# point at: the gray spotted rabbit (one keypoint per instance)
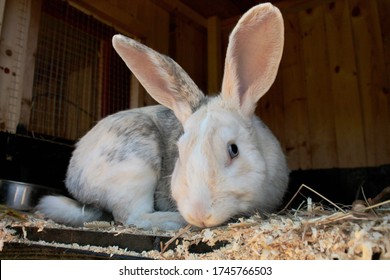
(193, 159)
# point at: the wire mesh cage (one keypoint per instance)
(78, 76)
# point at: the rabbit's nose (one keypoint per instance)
(197, 222)
(199, 215)
(202, 225)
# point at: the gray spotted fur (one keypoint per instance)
(138, 131)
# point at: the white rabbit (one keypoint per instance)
(210, 158)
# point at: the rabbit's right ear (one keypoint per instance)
(253, 56)
(162, 77)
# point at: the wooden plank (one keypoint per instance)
(178, 6)
(297, 140)
(319, 101)
(31, 48)
(2, 8)
(371, 75)
(13, 42)
(227, 28)
(113, 15)
(189, 44)
(157, 38)
(384, 11)
(136, 242)
(344, 86)
(135, 93)
(23, 251)
(295, 6)
(155, 19)
(85, 237)
(214, 55)
(214, 63)
(271, 110)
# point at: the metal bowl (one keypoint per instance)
(22, 196)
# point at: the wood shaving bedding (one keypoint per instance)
(314, 234)
(275, 237)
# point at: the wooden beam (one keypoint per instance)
(29, 63)
(2, 8)
(103, 12)
(12, 50)
(371, 74)
(344, 86)
(137, 93)
(317, 86)
(214, 54)
(294, 6)
(178, 6)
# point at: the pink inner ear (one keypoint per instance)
(141, 64)
(253, 56)
(162, 78)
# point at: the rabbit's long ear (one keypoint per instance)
(162, 77)
(253, 56)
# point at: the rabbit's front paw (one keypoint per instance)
(159, 220)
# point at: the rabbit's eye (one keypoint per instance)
(233, 150)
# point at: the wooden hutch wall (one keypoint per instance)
(334, 85)
(330, 104)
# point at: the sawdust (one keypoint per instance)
(316, 233)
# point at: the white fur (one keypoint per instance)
(68, 211)
(210, 188)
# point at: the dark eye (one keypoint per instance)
(233, 150)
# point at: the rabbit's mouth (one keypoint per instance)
(204, 217)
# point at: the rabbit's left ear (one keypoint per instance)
(253, 56)
(162, 77)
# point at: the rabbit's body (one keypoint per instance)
(122, 166)
(123, 152)
(209, 158)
